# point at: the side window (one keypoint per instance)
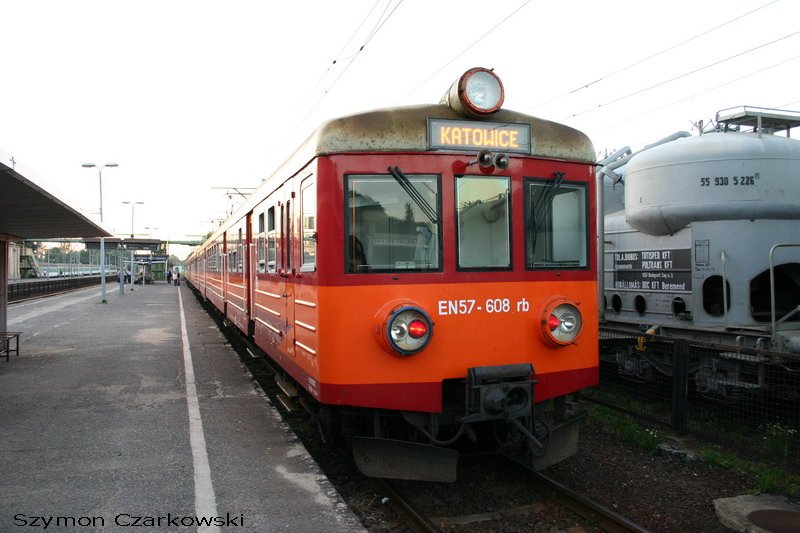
(240, 252)
(262, 248)
(308, 213)
(272, 251)
(556, 224)
(484, 227)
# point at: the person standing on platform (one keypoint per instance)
(169, 277)
(177, 278)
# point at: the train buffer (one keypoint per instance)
(6, 337)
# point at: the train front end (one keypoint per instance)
(459, 295)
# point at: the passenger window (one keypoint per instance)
(308, 208)
(556, 224)
(483, 222)
(272, 251)
(392, 223)
(262, 249)
(240, 252)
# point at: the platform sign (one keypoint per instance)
(653, 270)
(472, 136)
(152, 259)
(149, 246)
(113, 244)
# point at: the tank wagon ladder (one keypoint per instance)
(774, 322)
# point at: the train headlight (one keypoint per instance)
(561, 323)
(404, 329)
(478, 92)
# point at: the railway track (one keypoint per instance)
(606, 518)
(593, 513)
(404, 507)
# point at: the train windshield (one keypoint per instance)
(392, 222)
(483, 222)
(556, 224)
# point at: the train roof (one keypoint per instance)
(406, 129)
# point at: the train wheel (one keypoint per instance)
(329, 424)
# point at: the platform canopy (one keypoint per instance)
(28, 211)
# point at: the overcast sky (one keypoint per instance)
(192, 96)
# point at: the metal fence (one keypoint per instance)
(741, 398)
(23, 289)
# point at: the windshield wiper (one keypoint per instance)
(415, 195)
(546, 199)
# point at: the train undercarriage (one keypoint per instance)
(488, 412)
(720, 372)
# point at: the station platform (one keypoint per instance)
(138, 414)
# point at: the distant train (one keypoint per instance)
(702, 243)
(424, 276)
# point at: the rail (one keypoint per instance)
(604, 517)
(580, 504)
(415, 520)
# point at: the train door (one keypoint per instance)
(247, 273)
(224, 273)
(256, 263)
(287, 270)
(305, 285)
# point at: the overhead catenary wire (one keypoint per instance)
(695, 71)
(338, 56)
(648, 58)
(378, 25)
(710, 89)
(464, 51)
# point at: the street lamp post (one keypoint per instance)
(121, 261)
(133, 205)
(102, 239)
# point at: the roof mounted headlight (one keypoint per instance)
(478, 93)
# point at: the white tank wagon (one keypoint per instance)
(703, 213)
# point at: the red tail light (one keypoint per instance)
(417, 329)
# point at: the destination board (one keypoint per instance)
(475, 136)
(653, 270)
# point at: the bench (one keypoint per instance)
(5, 343)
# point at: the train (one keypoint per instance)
(425, 279)
(701, 244)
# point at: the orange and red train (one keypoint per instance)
(424, 276)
